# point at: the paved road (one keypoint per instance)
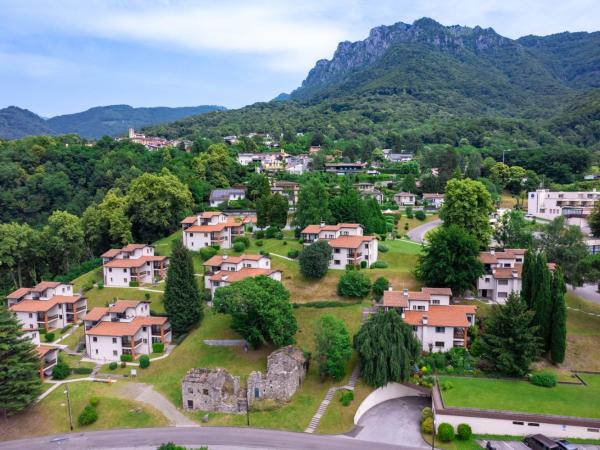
(417, 234)
(394, 421)
(234, 437)
(587, 291)
(519, 445)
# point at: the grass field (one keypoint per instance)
(522, 396)
(339, 418)
(583, 335)
(100, 297)
(50, 416)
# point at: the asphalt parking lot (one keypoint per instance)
(517, 445)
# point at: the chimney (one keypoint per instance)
(224, 256)
(492, 251)
(322, 224)
(224, 278)
(515, 274)
(405, 292)
(424, 320)
(390, 289)
(403, 315)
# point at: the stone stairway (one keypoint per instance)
(314, 422)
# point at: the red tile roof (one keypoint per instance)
(504, 273)
(121, 305)
(438, 291)
(66, 298)
(441, 316)
(125, 328)
(217, 260)
(96, 314)
(42, 350)
(111, 253)
(395, 299)
(19, 293)
(40, 287)
(349, 241)
(247, 272)
(34, 305)
(137, 262)
(311, 229)
(190, 219)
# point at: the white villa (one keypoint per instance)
(218, 196)
(49, 305)
(502, 274)
(439, 326)
(350, 246)
(434, 200)
(223, 270)
(405, 199)
(210, 228)
(133, 263)
(124, 328)
(546, 204)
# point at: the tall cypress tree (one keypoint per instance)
(526, 277)
(20, 382)
(182, 297)
(541, 302)
(558, 337)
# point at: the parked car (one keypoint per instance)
(540, 442)
(566, 445)
(489, 446)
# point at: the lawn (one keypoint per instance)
(339, 418)
(74, 338)
(583, 335)
(50, 416)
(413, 223)
(522, 396)
(163, 246)
(91, 277)
(166, 374)
(101, 297)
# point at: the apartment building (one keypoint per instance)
(373, 193)
(438, 325)
(503, 274)
(123, 328)
(224, 278)
(133, 263)
(546, 204)
(227, 263)
(48, 305)
(48, 359)
(405, 199)
(218, 196)
(210, 228)
(350, 246)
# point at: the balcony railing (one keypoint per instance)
(138, 342)
(459, 333)
(49, 363)
(126, 342)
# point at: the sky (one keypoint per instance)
(64, 56)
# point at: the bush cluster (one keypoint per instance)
(379, 265)
(49, 337)
(260, 234)
(259, 242)
(353, 284)
(144, 361)
(293, 253)
(88, 416)
(112, 365)
(346, 397)
(207, 253)
(61, 371)
(239, 247)
(126, 358)
(464, 432)
(243, 239)
(420, 215)
(427, 420)
(134, 283)
(544, 379)
(383, 248)
(158, 347)
(445, 432)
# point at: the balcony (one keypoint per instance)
(138, 342)
(459, 333)
(126, 342)
(48, 364)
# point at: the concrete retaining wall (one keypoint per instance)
(380, 395)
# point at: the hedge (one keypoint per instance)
(545, 379)
(82, 370)
(326, 304)
(144, 361)
(379, 265)
(158, 347)
(293, 253)
(88, 416)
(126, 358)
(445, 432)
(464, 432)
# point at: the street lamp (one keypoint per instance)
(69, 406)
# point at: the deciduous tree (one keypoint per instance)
(314, 260)
(354, 284)
(313, 204)
(332, 346)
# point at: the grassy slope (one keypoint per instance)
(580, 401)
(583, 335)
(51, 416)
(100, 297)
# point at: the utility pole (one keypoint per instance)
(504, 151)
(69, 406)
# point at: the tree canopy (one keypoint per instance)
(332, 346)
(314, 260)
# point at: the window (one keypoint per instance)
(144, 329)
(96, 351)
(190, 404)
(114, 353)
(415, 328)
(487, 279)
(145, 341)
(502, 282)
(110, 269)
(594, 430)
(440, 329)
(190, 390)
(204, 391)
(30, 315)
(505, 265)
(502, 294)
(531, 424)
(435, 302)
(124, 270)
(420, 308)
(256, 392)
(94, 339)
(30, 325)
(518, 423)
(114, 340)
(337, 262)
(124, 280)
(439, 344)
(336, 250)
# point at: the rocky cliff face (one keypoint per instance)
(351, 56)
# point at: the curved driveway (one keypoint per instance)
(238, 438)
(417, 234)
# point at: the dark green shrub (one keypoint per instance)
(88, 286)
(95, 401)
(293, 253)
(406, 226)
(426, 412)
(134, 283)
(273, 232)
(88, 416)
(325, 304)
(259, 242)
(346, 397)
(380, 285)
(363, 264)
(409, 212)
(260, 234)
(383, 248)
(445, 432)
(82, 370)
(285, 243)
(112, 365)
(243, 239)
(100, 285)
(49, 337)
(144, 361)
(545, 379)
(353, 284)
(158, 347)
(61, 371)
(239, 247)
(379, 265)
(207, 253)
(427, 425)
(420, 215)
(126, 358)
(147, 296)
(463, 432)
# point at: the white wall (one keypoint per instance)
(430, 336)
(501, 426)
(389, 392)
(104, 346)
(116, 276)
(196, 240)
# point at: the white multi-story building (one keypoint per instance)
(49, 305)
(227, 263)
(133, 263)
(210, 228)
(546, 204)
(405, 199)
(350, 246)
(218, 196)
(503, 274)
(124, 328)
(439, 326)
(48, 359)
(224, 278)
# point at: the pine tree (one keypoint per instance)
(386, 347)
(182, 298)
(510, 342)
(20, 382)
(558, 338)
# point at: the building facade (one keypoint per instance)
(549, 205)
(210, 228)
(433, 200)
(133, 263)
(124, 328)
(438, 325)
(503, 274)
(218, 196)
(405, 199)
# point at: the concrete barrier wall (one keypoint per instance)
(380, 395)
(482, 425)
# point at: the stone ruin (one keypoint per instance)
(212, 390)
(216, 390)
